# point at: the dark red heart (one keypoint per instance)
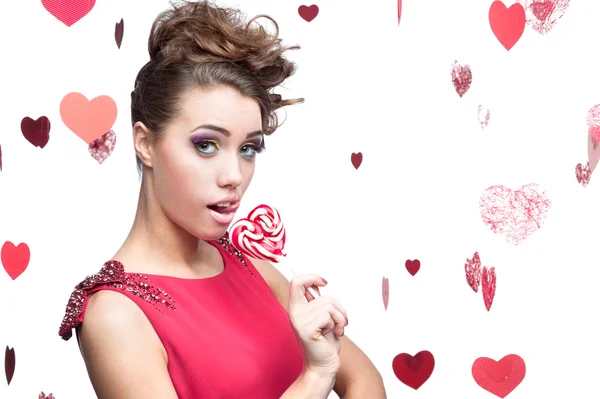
(413, 371)
(9, 364)
(119, 27)
(413, 266)
(36, 132)
(356, 159)
(308, 13)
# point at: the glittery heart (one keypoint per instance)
(514, 214)
(102, 147)
(488, 286)
(583, 174)
(42, 395)
(461, 78)
(483, 115)
(543, 15)
(473, 272)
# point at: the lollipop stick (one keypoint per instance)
(310, 289)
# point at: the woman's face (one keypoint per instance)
(204, 162)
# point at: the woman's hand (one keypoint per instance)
(318, 324)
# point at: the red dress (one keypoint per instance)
(226, 336)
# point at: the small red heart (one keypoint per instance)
(488, 286)
(69, 11)
(399, 10)
(385, 292)
(308, 13)
(413, 266)
(499, 378)
(15, 259)
(356, 159)
(413, 371)
(119, 28)
(36, 132)
(508, 24)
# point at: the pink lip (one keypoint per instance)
(233, 200)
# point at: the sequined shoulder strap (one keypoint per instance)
(112, 274)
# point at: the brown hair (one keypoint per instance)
(200, 44)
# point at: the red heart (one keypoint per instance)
(514, 214)
(399, 10)
(488, 286)
(69, 11)
(9, 364)
(412, 266)
(36, 132)
(413, 371)
(385, 292)
(356, 159)
(507, 24)
(308, 13)
(14, 258)
(499, 378)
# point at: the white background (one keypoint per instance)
(370, 86)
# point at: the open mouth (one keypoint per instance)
(225, 207)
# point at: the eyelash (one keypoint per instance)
(256, 148)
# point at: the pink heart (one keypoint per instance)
(593, 152)
(103, 146)
(514, 214)
(542, 15)
(69, 11)
(484, 116)
(461, 78)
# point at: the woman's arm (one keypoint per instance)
(357, 376)
(123, 355)
(310, 386)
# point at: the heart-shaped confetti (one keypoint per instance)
(583, 174)
(473, 272)
(514, 214)
(412, 266)
(385, 292)
(499, 378)
(9, 364)
(102, 147)
(488, 286)
(542, 15)
(484, 116)
(593, 122)
(88, 119)
(119, 28)
(461, 78)
(413, 371)
(399, 10)
(0, 158)
(308, 13)
(356, 159)
(593, 152)
(42, 395)
(37, 132)
(69, 11)
(15, 259)
(508, 24)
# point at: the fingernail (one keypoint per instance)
(325, 281)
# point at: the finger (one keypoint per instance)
(341, 309)
(298, 286)
(337, 317)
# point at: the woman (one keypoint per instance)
(178, 312)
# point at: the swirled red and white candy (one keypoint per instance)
(261, 235)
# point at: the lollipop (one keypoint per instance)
(262, 236)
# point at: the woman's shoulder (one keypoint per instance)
(111, 277)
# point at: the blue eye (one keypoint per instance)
(207, 147)
(250, 150)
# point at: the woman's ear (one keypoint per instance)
(141, 143)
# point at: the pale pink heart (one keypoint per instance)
(514, 214)
(593, 152)
(484, 116)
(542, 15)
(593, 122)
(103, 146)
